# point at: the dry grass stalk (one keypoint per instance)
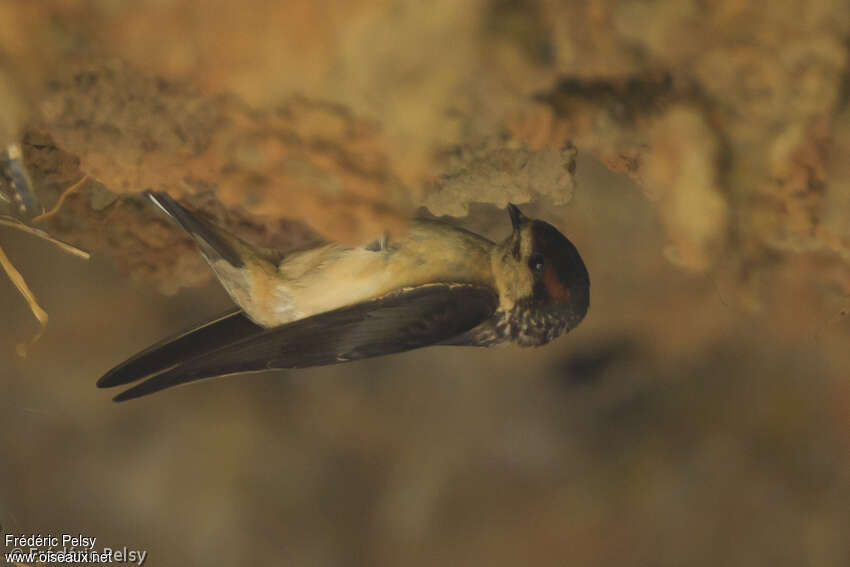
(18, 279)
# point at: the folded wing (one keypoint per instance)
(404, 320)
(214, 334)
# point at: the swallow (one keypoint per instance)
(436, 285)
(16, 186)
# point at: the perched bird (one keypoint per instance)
(436, 285)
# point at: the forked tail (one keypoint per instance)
(208, 238)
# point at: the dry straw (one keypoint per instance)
(15, 275)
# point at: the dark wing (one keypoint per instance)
(408, 319)
(219, 332)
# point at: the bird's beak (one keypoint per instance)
(517, 218)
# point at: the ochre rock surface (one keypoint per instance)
(345, 116)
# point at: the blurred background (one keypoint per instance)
(700, 415)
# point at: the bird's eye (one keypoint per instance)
(536, 263)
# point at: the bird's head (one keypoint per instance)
(541, 278)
